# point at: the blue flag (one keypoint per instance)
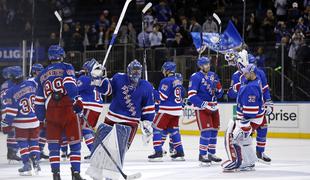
(229, 39)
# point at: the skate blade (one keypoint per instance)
(156, 160)
(247, 169)
(11, 162)
(230, 170)
(203, 164)
(178, 159)
(26, 173)
(264, 162)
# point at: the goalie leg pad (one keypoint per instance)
(115, 140)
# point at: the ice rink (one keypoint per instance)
(291, 160)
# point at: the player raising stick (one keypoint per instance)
(132, 101)
(204, 90)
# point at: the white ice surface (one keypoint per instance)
(290, 161)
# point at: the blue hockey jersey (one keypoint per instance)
(170, 93)
(19, 106)
(3, 92)
(91, 97)
(250, 102)
(238, 79)
(129, 103)
(57, 77)
(204, 88)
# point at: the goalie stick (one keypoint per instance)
(125, 176)
(116, 31)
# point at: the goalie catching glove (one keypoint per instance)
(147, 131)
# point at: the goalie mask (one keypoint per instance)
(230, 57)
(134, 71)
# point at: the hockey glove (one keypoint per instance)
(269, 107)
(78, 105)
(147, 131)
(5, 127)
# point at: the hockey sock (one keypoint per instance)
(34, 149)
(75, 156)
(171, 148)
(42, 139)
(89, 138)
(157, 139)
(24, 150)
(54, 156)
(212, 142)
(261, 139)
(11, 141)
(204, 142)
(64, 145)
(164, 136)
(176, 139)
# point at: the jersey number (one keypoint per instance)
(27, 105)
(55, 86)
(178, 95)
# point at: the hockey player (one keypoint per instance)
(57, 101)
(132, 101)
(239, 60)
(170, 110)
(36, 69)
(203, 91)
(92, 103)
(12, 146)
(250, 115)
(21, 116)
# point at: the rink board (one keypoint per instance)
(288, 120)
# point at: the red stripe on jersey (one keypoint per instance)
(149, 109)
(250, 109)
(25, 121)
(170, 109)
(127, 119)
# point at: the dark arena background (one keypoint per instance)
(275, 32)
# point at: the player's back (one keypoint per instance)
(54, 77)
(170, 92)
(20, 105)
(250, 99)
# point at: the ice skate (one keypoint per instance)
(263, 158)
(214, 158)
(25, 170)
(204, 161)
(12, 156)
(178, 156)
(156, 157)
(76, 175)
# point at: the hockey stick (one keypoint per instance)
(147, 7)
(216, 17)
(32, 34)
(116, 31)
(60, 22)
(128, 177)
